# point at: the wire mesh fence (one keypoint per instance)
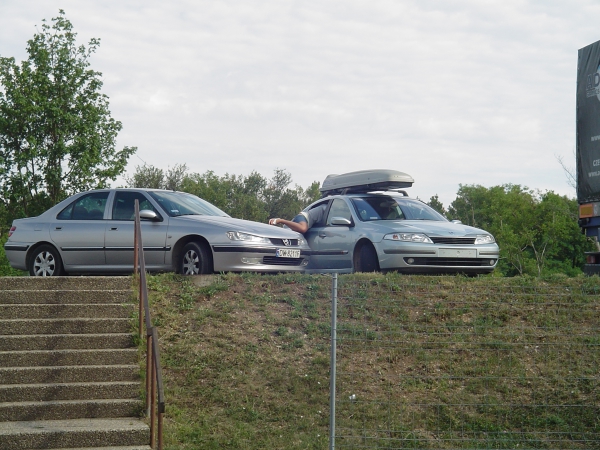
(440, 363)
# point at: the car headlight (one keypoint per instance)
(484, 239)
(408, 237)
(301, 242)
(239, 236)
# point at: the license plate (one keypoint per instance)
(287, 253)
(456, 253)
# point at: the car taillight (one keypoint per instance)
(590, 259)
(11, 231)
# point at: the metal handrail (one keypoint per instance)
(155, 397)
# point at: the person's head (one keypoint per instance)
(387, 207)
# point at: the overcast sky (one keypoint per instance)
(450, 91)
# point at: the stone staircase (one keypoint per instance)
(69, 368)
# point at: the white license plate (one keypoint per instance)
(456, 253)
(287, 253)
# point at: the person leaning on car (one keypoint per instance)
(303, 221)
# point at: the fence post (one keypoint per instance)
(333, 363)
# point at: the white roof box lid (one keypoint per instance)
(365, 181)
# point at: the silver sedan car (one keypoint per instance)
(367, 232)
(92, 232)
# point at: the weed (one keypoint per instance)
(433, 362)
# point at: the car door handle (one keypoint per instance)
(114, 228)
(58, 228)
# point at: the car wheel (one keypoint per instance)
(365, 259)
(195, 259)
(45, 262)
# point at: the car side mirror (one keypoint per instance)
(456, 221)
(149, 215)
(341, 221)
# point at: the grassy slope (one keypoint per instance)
(246, 360)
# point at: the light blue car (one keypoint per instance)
(368, 228)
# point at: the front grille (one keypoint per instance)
(279, 242)
(275, 261)
(451, 262)
(453, 240)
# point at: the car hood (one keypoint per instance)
(431, 228)
(246, 226)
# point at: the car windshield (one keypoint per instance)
(181, 204)
(390, 208)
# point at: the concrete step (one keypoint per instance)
(64, 326)
(57, 311)
(65, 341)
(70, 409)
(77, 433)
(67, 296)
(68, 374)
(69, 391)
(66, 283)
(80, 357)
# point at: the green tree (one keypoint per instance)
(146, 176)
(174, 177)
(56, 133)
(283, 201)
(311, 194)
(537, 233)
(562, 246)
(435, 203)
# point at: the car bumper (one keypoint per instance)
(16, 253)
(428, 258)
(259, 259)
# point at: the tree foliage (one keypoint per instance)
(537, 233)
(251, 197)
(436, 204)
(56, 133)
(147, 176)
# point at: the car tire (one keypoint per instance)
(45, 262)
(365, 259)
(195, 259)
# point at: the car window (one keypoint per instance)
(390, 208)
(182, 204)
(339, 208)
(377, 208)
(416, 210)
(88, 207)
(124, 205)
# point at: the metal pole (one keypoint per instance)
(136, 255)
(149, 371)
(333, 361)
(160, 427)
(152, 406)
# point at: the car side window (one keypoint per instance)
(322, 204)
(339, 208)
(88, 207)
(124, 205)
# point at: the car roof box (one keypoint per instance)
(365, 181)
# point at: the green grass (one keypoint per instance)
(433, 362)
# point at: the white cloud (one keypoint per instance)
(462, 91)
